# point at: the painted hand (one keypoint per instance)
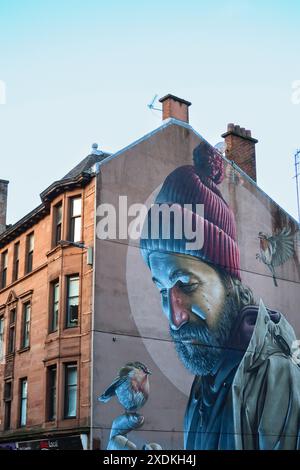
(121, 426)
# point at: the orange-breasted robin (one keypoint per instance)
(275, 249)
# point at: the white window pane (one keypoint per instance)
(76, 206)
(74, 287)
(72, 402)
(24, 388)
(56, 293)
(58, 214)
(27, 313)
(73, 302)
(71, 391)
(23, 412)
(72, 376)
(77, 229)
(31, 242)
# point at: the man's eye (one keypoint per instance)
(188, 288)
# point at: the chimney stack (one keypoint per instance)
(174, 107)
(3, 204)
(240, 148)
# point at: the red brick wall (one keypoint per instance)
(65, 345)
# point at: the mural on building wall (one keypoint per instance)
(246, 388)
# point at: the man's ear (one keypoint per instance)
(243, 295)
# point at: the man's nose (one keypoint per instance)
(179, 313)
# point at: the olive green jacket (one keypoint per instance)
(265, 392)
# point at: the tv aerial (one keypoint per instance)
(152, 104)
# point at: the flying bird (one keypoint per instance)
(131, 387)
(276, 249)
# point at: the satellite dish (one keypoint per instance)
(221, 147)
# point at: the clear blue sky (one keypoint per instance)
(79, 72)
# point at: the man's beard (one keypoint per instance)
(201, 356)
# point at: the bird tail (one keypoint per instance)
(275, 281)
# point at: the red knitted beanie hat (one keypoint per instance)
(191, 185)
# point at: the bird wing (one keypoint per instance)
(111, 390)
(121, 378)
(283, 243)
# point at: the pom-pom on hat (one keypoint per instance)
(191, 185)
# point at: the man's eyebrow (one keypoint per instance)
(179, 273)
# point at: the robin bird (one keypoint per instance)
(131, 387)
(275, 250)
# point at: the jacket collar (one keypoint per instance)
(263, 340)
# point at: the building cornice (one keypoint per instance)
(43, 209)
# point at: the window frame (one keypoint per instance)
(57, 225)
(67, 367)
(52, 303)
(23, 399)
(26, 324)
(12, 327)
(51, 397)
(72, 219)
(2, 335)
(7, 404)
(16, 262)
(4, 264)
(68, 321)
(29, 253)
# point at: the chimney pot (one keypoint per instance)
(3, 204)
(230, 127)
(174, 107)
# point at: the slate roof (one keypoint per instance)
(77, 177)
(85, 164)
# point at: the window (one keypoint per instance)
(16, 261)
(57, 223)
(23, 402)
(54, 305)
(12, 331)
(52, 393)
(4, 259)
(29, 255)
(7, 404)
(72, 301)
(26, 325)
(1, 337)
(70, 390)
(75, 219)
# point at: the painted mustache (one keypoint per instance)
(192, 334)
